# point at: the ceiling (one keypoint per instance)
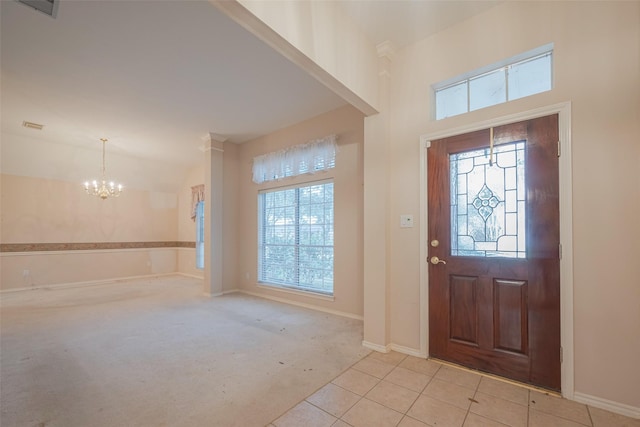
(156, 77)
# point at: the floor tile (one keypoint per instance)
(340, 423)
(500, 410)
(408, 379)
(436, 413)
(450, 393)
(392, 358)
(424, 366)
(393, 396)
(373, 367)
(410, 422)
(540, 419)
(367, 413)
(458, 376)
(356, 381)
(333, 399)
(504, 390)
(559, 407)
(305, 414)
(602, 418)
(475, 420)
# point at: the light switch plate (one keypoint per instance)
(406, 221)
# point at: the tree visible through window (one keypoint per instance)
(200, 235)
(295, 237)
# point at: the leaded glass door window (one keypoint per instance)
(488, 202)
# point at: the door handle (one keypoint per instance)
(435, 260)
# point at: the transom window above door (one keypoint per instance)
(517, 77)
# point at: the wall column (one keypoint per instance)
(213, 179)
(376, 212)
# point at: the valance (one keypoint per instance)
(197, 195)
(311, 157)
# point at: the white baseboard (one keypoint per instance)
(210, 295)
(393, 347)
(407, 350)
(302, 304)
(376, 347)
(608, 405)
(87, 283)
(192, 276)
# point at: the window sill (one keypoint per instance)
(288, 290)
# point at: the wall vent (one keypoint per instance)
(32, 125)
(49, 7)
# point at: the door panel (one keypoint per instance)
(510, 315)
(494, 302)
(464, 309)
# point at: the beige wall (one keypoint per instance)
(230, 217)
(61, 268)
(187, 229)
(347, 123)
(38, 210)
(596, 68)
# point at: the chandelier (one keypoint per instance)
(102, 188)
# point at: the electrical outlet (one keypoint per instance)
(25, 273)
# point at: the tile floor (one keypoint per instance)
(397, 390)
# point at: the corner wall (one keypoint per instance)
(347, 124)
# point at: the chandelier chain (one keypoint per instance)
(103, 189)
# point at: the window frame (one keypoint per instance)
(262, 229)
(504, 65)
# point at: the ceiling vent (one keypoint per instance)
(49, 7)
(31, 125)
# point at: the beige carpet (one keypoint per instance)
(157, 352)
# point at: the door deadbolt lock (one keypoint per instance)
(435, 260)
(435, 243)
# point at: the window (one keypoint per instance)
(488, 206)
(517, 77)
(200, 235)
(295, 237)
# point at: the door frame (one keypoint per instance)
(566, 229)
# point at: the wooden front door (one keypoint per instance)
(494, 256)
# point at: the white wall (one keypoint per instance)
(319, 37)
(596, 68)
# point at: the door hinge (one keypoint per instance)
(559, 149)
(560, 250)
(561, 355)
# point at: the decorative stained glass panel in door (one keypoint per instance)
(488, 202)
